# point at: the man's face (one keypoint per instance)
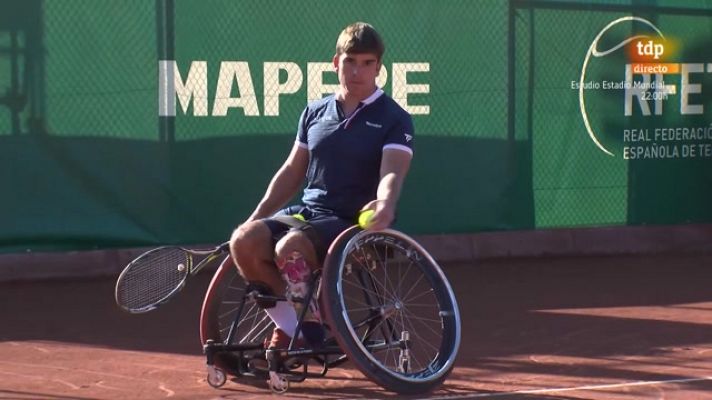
(357, 73)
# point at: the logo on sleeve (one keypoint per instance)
(408, 137)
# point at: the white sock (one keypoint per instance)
(284, 316)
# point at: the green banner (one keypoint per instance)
(146, 122)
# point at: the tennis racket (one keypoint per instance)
(157, 275)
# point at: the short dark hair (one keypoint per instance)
(360, 37)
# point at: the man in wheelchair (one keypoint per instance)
(354, 149)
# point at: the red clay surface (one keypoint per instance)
(564, 328)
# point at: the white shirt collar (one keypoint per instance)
(373, 97)
(370, 99)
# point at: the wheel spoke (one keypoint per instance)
(420, 342)
(253, 332)
(375, 281)
(377, 326)
(228, 312)
(368, 270)
(412, 316)
(386, 279)
(351, 309)
(417, 296)
(428, 305)
(423, 318)
(400, 281)
(359, 286)
(413, 286)
(424, 341)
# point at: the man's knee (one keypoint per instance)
(294, 241)
(251, 240)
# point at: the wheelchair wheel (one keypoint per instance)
(394, 310)
(220, 307)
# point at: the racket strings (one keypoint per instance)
(152, 277)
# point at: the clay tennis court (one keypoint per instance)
(624, 327)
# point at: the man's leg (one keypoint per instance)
(252, 251)
(295, 258)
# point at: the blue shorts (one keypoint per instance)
(327, 226)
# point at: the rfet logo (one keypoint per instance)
(651, 74)
(656, 37)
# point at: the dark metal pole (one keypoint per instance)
(165, 25)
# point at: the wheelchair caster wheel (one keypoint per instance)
(278, 383)
(216, 377)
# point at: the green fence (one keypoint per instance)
(143, 122)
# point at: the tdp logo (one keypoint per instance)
(650, 49)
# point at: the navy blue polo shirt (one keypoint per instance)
(345, 153)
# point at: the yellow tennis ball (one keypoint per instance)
(364, 218)
(299, 217)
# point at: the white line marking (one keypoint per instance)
(68, 384)
(571, 389)
(101, 384)
(41, 349)
(169, 392)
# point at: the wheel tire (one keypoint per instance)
(347, 260)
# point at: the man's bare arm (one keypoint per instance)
(394, 168)
(285, 183)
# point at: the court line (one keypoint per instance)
(570, 389)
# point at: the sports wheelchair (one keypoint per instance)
(385, 303)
